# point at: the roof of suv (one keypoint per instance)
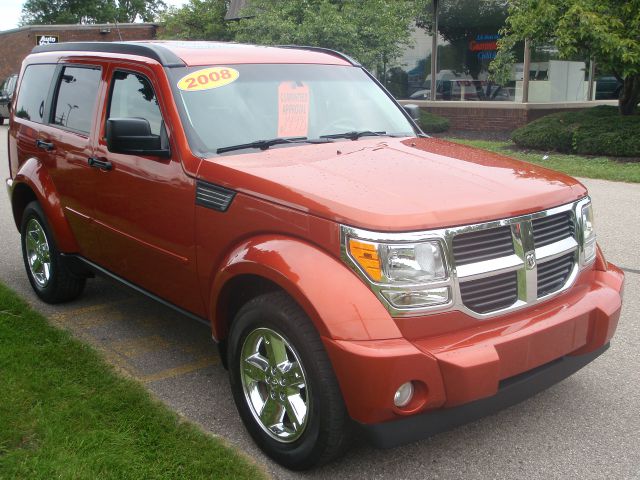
(182, 53)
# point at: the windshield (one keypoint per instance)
(225, 106)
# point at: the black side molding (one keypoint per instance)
(213, 196)
(511, 391)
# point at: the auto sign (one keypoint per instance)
(46, 39)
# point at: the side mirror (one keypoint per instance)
(412, 110)
(133, 136)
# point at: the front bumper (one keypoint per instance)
(463, 375)
(510, 392)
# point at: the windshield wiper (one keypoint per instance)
(262, 144)
(355, 135)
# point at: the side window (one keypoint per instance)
(132, 96)
(76, 99)
(12, 85)
(34, 89)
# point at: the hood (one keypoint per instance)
(394, 184)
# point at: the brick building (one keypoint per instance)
(17, 43)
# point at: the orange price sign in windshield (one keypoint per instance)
(293, 109)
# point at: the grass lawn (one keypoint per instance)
(64, 413)
(574, 165)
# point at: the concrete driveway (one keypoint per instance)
(585, 427)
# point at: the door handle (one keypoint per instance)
(101, 164)
(48, 146)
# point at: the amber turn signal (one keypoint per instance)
(366, 255)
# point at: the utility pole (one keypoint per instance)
(434, 51)
(592, 76)
(526, 69)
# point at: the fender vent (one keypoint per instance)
(213, 196)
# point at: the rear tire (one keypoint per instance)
(308, 424)
(50, 278)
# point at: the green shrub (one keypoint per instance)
(552, 132)
(432, 123)
(595, 131)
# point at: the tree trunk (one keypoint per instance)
(630, 95)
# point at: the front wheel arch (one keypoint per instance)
(337, 301)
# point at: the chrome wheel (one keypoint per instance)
(275, 385)
(38, 256)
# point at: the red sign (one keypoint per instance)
(475, 46)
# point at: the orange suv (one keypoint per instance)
(357, 275)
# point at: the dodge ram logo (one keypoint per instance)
(530, 261)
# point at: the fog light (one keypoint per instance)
(403, 395)
(417, 298)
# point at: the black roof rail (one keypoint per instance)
(328, 51)
(150, 50)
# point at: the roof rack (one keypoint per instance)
(150, 50)
(328, 51)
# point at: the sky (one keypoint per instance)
(10, 12)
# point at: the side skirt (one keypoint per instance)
(81, 266)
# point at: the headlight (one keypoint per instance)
(588, 234)
(413, 263)
(404, 272)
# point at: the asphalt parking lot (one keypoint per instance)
(586, 427)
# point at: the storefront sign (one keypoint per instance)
(46, 39)
(486, 46)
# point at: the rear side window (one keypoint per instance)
(34, 89)
(76, 98)
(132, 96)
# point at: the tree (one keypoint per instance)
(47, 12)
(197, 20)
(374, 32)
(606, 30)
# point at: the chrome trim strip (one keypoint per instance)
(487, 268)
(555, 250)
(524, 253)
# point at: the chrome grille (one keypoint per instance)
(553, 274)
(548, 230)
(491, 293)
(540, 246)
(482, 245)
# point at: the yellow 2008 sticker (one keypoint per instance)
(208, 78)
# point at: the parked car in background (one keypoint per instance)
(464, 89)
(608, 87)
(6, 94)
(355, 273)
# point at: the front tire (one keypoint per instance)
(52, 281)
(283, 384)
